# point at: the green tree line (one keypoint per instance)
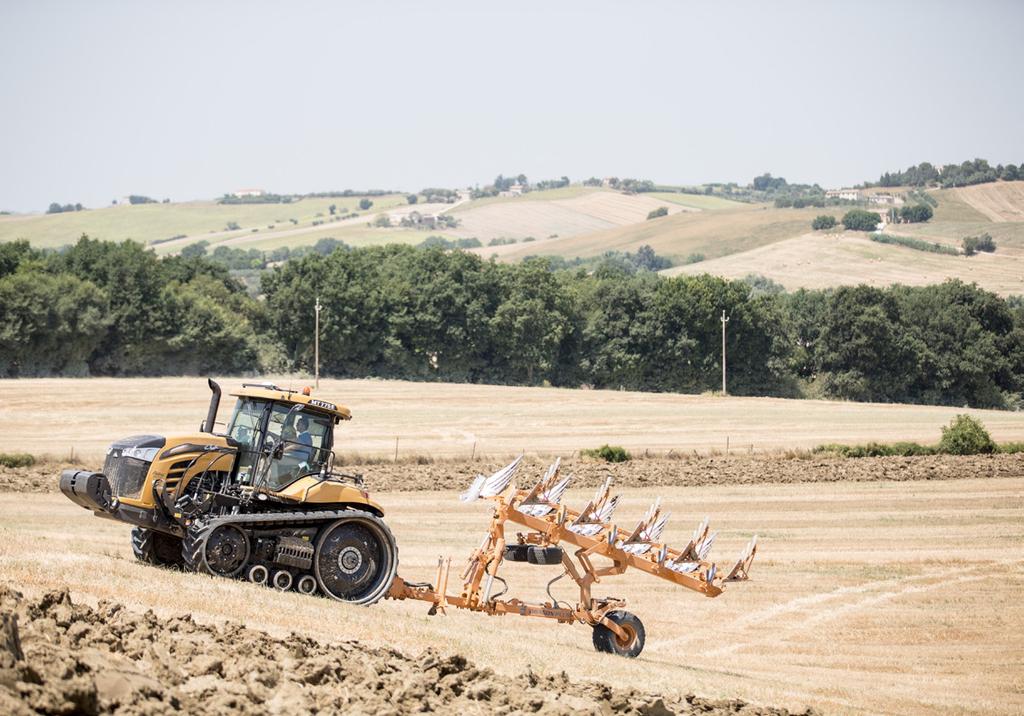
(977, 171)
(396, 311)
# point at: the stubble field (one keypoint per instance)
(821, 260)
(52, 416)
(897, 597)
(881, 585)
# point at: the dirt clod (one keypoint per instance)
(111, 659)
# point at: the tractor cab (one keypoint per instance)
(288, 433)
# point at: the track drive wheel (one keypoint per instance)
(156, 548)
(356, 558)
(609, 642)
(222, 551)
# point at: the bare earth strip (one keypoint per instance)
(817, 260)
(881, 597)
(383, 475)
(53, 415)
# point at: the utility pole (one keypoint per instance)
(725, 320)
(316, 346)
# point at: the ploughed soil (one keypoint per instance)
(57, 657)
(694, 471)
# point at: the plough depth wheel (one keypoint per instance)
(611, 643)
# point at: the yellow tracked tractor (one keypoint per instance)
(263, 502)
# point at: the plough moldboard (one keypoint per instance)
(551, 527)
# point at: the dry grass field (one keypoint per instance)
(820, 260)
(999, 201)
(546, 216)
(711, 233)
(194, 219)
(876, 597)
(53, 415)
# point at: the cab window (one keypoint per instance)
(245, 422)
(304, 437)
(245, 427)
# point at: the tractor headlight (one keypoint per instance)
(140, 453)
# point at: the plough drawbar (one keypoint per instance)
(551, 529)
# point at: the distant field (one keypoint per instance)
(566, 192)
(711, 233)
(196, 220)
(583, 213)
(697, 201)
(999, 201)
(352, 234)
(819, 260)
(54, 415)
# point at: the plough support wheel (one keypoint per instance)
(611, 643)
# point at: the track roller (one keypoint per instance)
(258, 574)
(282, 580)
(306, 584)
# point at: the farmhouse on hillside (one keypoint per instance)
(884, 198)
(845, 194)
(513, 190)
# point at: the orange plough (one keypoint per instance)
(553, 531)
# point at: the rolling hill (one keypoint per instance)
(175, 225)
(717, 232)
(544, 217)
(700, 233)
(818, 259)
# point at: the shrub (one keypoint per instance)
(916, 213)
(974, 244)
(966, 436)
(1011, 448)
(917, 244)
(823, 222)
(608, 453)
(16, 459)
(901, 449)
(232, 226)
(861, 220)
(660, 211)
(365, 204)
(412, 198)
(694, 258)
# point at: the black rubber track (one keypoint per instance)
(200, 530)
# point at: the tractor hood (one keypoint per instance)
(138, 447)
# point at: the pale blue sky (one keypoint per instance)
(193, 99)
